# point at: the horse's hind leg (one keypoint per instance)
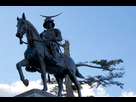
(74, 80)
(24, 62)
(60, 84)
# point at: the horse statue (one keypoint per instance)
(37, 56)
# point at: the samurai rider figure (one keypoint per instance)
(50, 38)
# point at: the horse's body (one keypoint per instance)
(37, 54)
(54, 69)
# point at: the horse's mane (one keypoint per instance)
(34, 29)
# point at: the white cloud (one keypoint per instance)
(18, 87)
(100, 92)
(97, 92)
(86, 91)
(127, 94)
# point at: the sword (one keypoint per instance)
(61, 54)
(56, 42)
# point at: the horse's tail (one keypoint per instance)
(78, 74)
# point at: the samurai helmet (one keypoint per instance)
(48, 19)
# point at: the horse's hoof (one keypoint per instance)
(44, 89)
(26, 82)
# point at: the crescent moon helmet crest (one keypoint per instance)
(48, 19)
(51, 16)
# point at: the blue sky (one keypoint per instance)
(94, 33)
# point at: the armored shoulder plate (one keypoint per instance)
(57, 31)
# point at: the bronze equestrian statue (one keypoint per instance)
(42, 54)
(50, 38)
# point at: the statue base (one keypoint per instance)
(35, 93)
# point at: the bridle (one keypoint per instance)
(28, 33)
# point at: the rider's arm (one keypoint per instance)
(58, 35)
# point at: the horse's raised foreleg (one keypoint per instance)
(24, 62)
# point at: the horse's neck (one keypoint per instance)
(33, 30)
(33, 38)
(33, 34)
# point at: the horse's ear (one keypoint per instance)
(24, 16)
(17, 18)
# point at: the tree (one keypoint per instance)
(107, 79)
(68, 82)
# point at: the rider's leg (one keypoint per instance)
(53, 50)
(49, 54)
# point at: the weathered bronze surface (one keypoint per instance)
(43, 55)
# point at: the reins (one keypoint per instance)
(28, 32)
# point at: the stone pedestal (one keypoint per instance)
(35, 93)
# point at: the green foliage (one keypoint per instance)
(107, 64)
(106, 80)
(104, 64)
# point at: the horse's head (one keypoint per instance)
(21, 27)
